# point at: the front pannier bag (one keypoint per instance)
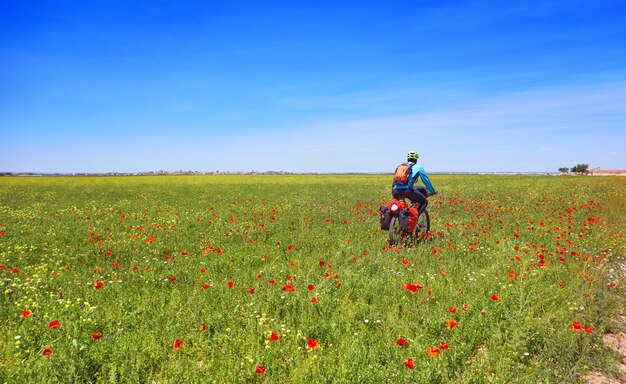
(412, 218)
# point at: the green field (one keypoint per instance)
(288, 279)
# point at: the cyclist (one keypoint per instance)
(409, 190)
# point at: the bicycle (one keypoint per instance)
(398, 234)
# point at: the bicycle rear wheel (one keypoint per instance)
(397, 235)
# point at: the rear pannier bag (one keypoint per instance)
(412, 218)
(403, 217)
(385, 217)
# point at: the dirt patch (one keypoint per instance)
(617, 342)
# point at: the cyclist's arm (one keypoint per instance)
(426, 181)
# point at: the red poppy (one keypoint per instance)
(272, 281)
(409, 363)
(310, 287)
(451, 323)
(47, 352)
(260, 369)
(251, 290)
(230, 284)
(202, 327)
(464, 307)
(288, 288)
(312, 344)
(98, 284)
(588, 329)
(205, 286)
(54, 324)
(576, 326)
(178, 344)
(202, 270)
(401, 341)
(444, 345)
(451, 309)
(405, 262)
(411, 287)
(495, 297)
(26, 313)
(313, 299)
(96, 335)
(433, 351)
(274, 336)
(173, 278)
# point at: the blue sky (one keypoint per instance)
(303, 86)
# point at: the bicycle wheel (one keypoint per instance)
(423, 225)
(397, 235)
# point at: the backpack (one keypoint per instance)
(403, 171)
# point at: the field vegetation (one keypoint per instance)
(289, 279)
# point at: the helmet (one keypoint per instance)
(412, 156)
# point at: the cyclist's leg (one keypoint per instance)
(420, 197)
(422, 190)
(410, 194)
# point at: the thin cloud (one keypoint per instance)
(507, 127)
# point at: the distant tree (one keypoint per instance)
(580, 168)
(564, 170)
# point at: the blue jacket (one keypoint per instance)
(416, 172)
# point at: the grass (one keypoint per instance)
(221, 262)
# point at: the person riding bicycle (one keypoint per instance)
(407, 189)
